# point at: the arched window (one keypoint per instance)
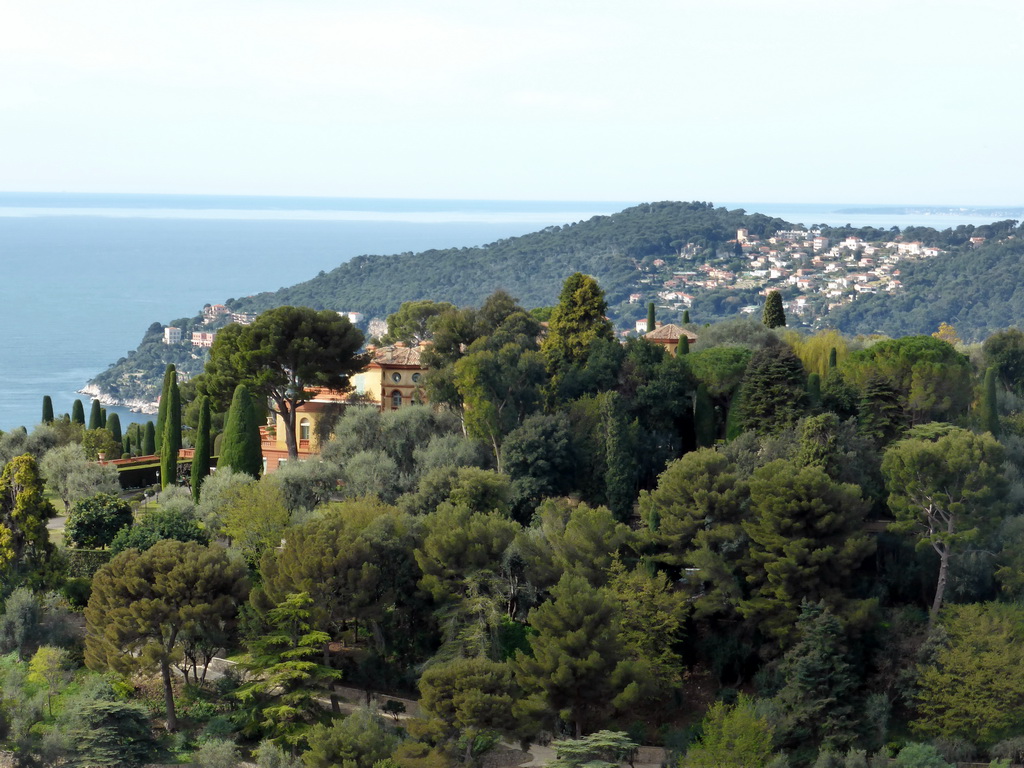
(396, 399)
(304, 429)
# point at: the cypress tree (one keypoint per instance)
(171, 442)
(686, 316)
(201, 458)
(78, 413)
(683, 346)
(103, 418)
(126, 444)
(161, 414)
(47, 410)
(814, 390)
(650, 316)
(703, 417)
(113, 426)
(620, 458)
(95, 419)
(989, 414)
(149, 440)
(241, 449)
(832, 358)
(774, 315)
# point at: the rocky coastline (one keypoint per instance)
(132, 404)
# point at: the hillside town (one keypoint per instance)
(813, 274)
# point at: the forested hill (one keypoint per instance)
(977, 290)
(531, 267)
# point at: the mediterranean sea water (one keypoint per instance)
(83, 276)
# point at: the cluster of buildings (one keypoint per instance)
(815, 274)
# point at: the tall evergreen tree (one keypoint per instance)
(149, 439)
(161, 414)
(989, 413)
(103, 418)
(241, 448)
(813, 390)
(47, 410)
(201, 457)
(95, 417)
(686, 316)
(703, 417)
(774, 315)
(881, 416)
(773, 394)
(171, 443)
(78, 413)
(577, 320)
(832, 356)
(113, 426)
(650, 316)
(621, 476)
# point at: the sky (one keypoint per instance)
(853, 101)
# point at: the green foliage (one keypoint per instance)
(105, 732)
(145, 605)
(203, 452)
(944, 485)
(650, 316)
(282, 702)
(149, 440)
(989, 406)
(540, 459)
(50, 667)
(578, 319)
(359, 740)
(731, 737)
(806, 540)
(255, 517)
(241, 448)
(283, 351)
(216, 753)
(47, 417)
(818, 703)
(915, 755)
(773, 316)
(578, 668)
(157, 525)
(113, 426)
(773, 395)
(78, 412)
(704, 426)
(467, 698)
(170, 442)
(93, 522)
(170, 375)
(932, 380)
(602, 748)
(26, 554)
(1004, 351)
(973, 687)
(411, 323)
(95, 417)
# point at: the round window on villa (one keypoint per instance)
(396, 377)
(415, 378)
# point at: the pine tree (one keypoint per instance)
(161, 414)
(773, 393)
(95, 418)
(774, 315)
(989, 413)
(650, 316)
(113, 426)
(149, 439)
(201, 457)
(47, 410)
(241, 448)
(171, 442)
(78, 413)
(819, 699)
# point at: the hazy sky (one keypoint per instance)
(899, 101)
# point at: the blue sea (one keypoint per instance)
(85, 275)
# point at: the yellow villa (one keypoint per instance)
(392, 380)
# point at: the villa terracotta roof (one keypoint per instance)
(397, 355)
(670, 332)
